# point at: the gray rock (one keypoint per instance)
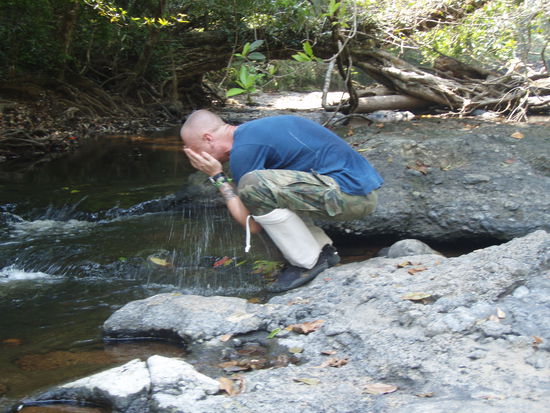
(190, 317)
(407, 247)
(468, 346)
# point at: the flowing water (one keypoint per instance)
(76, 244)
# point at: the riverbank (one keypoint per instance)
(413, 333)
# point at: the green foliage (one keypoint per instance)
(307, 55)
(28, 36)
(247, 71)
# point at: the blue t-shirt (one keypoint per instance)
(299, 144)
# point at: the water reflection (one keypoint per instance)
(66, 263)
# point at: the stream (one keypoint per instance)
(72, 252)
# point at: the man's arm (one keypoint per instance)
(206, 163)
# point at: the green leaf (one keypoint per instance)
(256, 56)
(301, 57)
(274, 333)
(256, 44)
(234, 91)
(243, 76)
(308, 49)
(246, 49)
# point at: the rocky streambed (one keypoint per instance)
(416, 333)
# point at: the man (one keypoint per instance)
(288, 170)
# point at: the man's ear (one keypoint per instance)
(207, 137)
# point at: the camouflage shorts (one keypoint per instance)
(311, 194)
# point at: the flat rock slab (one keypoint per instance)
(422, 333)
(190, 317)
(456, 179)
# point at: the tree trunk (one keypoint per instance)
(66, 31)
(460, 90)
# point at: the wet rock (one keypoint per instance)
(479, 345)
(408, 247)
(124, 388)
(189, 317)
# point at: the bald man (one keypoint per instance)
(288, 170)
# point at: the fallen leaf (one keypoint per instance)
(413, 271)
(379, 125)
(233, 366)
(416, 296)
(429, 394)
(329, 352)
(254, 300)
(334, 362)
(12, 341)
(404, 264)
(159, 261)
(222, 261)
(500, 314)
(308, 381)
(295, 350)
(307, 327)
(350, 132)
(536, 341)
(420, 167)
(226, 337)
(517, 135)
(274, 333)
(380, 388)
(228, 385)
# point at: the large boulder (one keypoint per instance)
(452, 180)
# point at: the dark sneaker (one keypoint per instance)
(331, 255)
(291, 277)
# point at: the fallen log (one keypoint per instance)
(390, 102)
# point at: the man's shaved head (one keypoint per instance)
(197, 124)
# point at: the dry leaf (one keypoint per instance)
(159, 261)
(413, 271)
(307, 327)
(12, 341)
(416, 296)
(404, 264)
(228, 386)
(226, 337)
(308, 381)
(334, 362)
(380, 388)
(379, 125)
(295, 350)
(420, 167)
(500, 314)
(254, 300)
(329, 352)
(222, 261)
(233, 366)
(429, 394)
(517, 135)
(536, 341)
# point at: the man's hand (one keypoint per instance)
(204, 162)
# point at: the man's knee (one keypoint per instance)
(248, 181)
